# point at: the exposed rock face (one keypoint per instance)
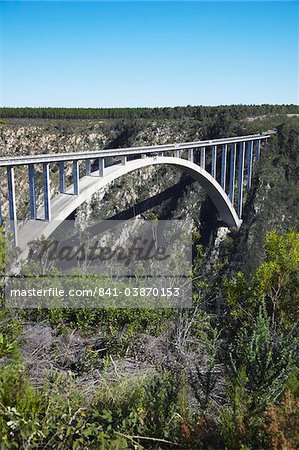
(221, 235)
(30, 139)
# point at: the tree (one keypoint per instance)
(277, 278)
(276, 281)
(267, 359)
(260, 367)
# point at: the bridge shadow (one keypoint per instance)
(173, 193)
(208, 216)
(209, 221)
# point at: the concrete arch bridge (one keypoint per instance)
(223, 167)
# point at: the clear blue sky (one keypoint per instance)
(99, 54)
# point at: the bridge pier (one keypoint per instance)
(61, 177)
(123, 160)
(190, 155)
(32, 193)
(241, 178)
(249, 163)
(214, 161)
(47, 205)
(232, 172)
(12, 203)
(203, 157)
(76, 177)
(87, 167)
(223, 166)
(177, 154)
(101, 167)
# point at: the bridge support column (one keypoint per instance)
(12, 203)
(241, 178)
(203, 157)
(143, 156)
(32, 194)
(258, 150)
(249, 163)
(47, 206)
(101, 167)
(76, 177)
(61, 177)
(214, 161)
(177, 154)
(87, 167)
(190, 154)
(232, 172)
(123, 160)
(223, 166)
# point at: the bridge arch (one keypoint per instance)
(63, 205)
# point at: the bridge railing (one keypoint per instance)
(56, 157)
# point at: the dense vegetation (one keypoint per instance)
(178, 112)
(222, 375)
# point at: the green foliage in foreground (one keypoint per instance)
(261, 363)
(61, 417)
(242, 395)
(276, 281)
(153, 410)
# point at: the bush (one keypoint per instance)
(282, 424)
